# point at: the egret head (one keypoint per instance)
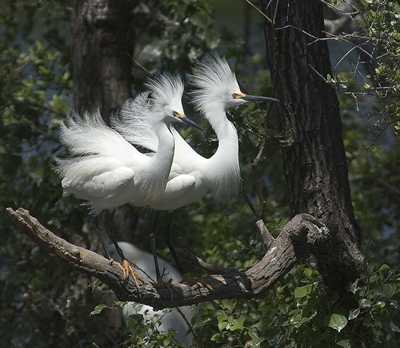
(166, 94)
(217, 84)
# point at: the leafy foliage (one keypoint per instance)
(44, 304)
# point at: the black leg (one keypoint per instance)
(251, 205)
(153, 235)
(102, 233)
(107, 232)
(108, 227)
(169, 241)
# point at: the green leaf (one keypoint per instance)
(256, 340)
(217, 337)
(308, 272)
(222, 321)
(98, 309)
(235, 324)
(303, 291)
(344, 343)
(337, 322)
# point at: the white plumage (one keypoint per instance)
(134, 119)
(192, 176)
(105, 169)
(167, 319)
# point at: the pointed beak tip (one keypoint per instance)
(254, 98)
(190, 122)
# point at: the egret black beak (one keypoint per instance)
(254, 98)
(186, 120)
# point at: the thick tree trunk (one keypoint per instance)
(313, 154)
(102, 60)
(102, 51)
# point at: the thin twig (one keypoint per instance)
(188, 323)
(260, 11)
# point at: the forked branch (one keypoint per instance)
(298, 239)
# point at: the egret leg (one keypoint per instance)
(251, 205)
(125, 265)
(153, 235)
(169, 241)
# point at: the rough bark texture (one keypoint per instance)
(302, 236)
(313, 154)
(102, 51)
(103, 46)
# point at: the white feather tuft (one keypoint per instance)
(137, 117)
(214, 81)
(167, 89)
(101, 161)
(89, 135)
(135, 122)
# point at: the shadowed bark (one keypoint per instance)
(102, 54)
(309, 121)
(103, 45)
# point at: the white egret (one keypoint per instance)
(165, 320)
(192, 175)
(106, 170)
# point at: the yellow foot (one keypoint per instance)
(128, 270)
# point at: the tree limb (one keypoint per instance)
(301, 236)
(266, 235)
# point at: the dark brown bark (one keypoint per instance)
(309, 120)
(103, 46)
(301, 236)
(102, 54)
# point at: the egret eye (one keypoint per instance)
(177, 114)
(237, 95)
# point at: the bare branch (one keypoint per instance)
(266, 236)
(296, 240)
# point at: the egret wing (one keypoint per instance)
(89, 136)
(94, 178)
(180, 191)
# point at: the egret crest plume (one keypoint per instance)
(214, 81)
(136, 117)
(167, 89)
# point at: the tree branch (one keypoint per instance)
(301, 236)
(266, 235)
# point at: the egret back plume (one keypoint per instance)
(213, 79)
(89, 135)
(135, 122)
(94, 149)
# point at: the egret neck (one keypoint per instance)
(160, 163)
(223, 166)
